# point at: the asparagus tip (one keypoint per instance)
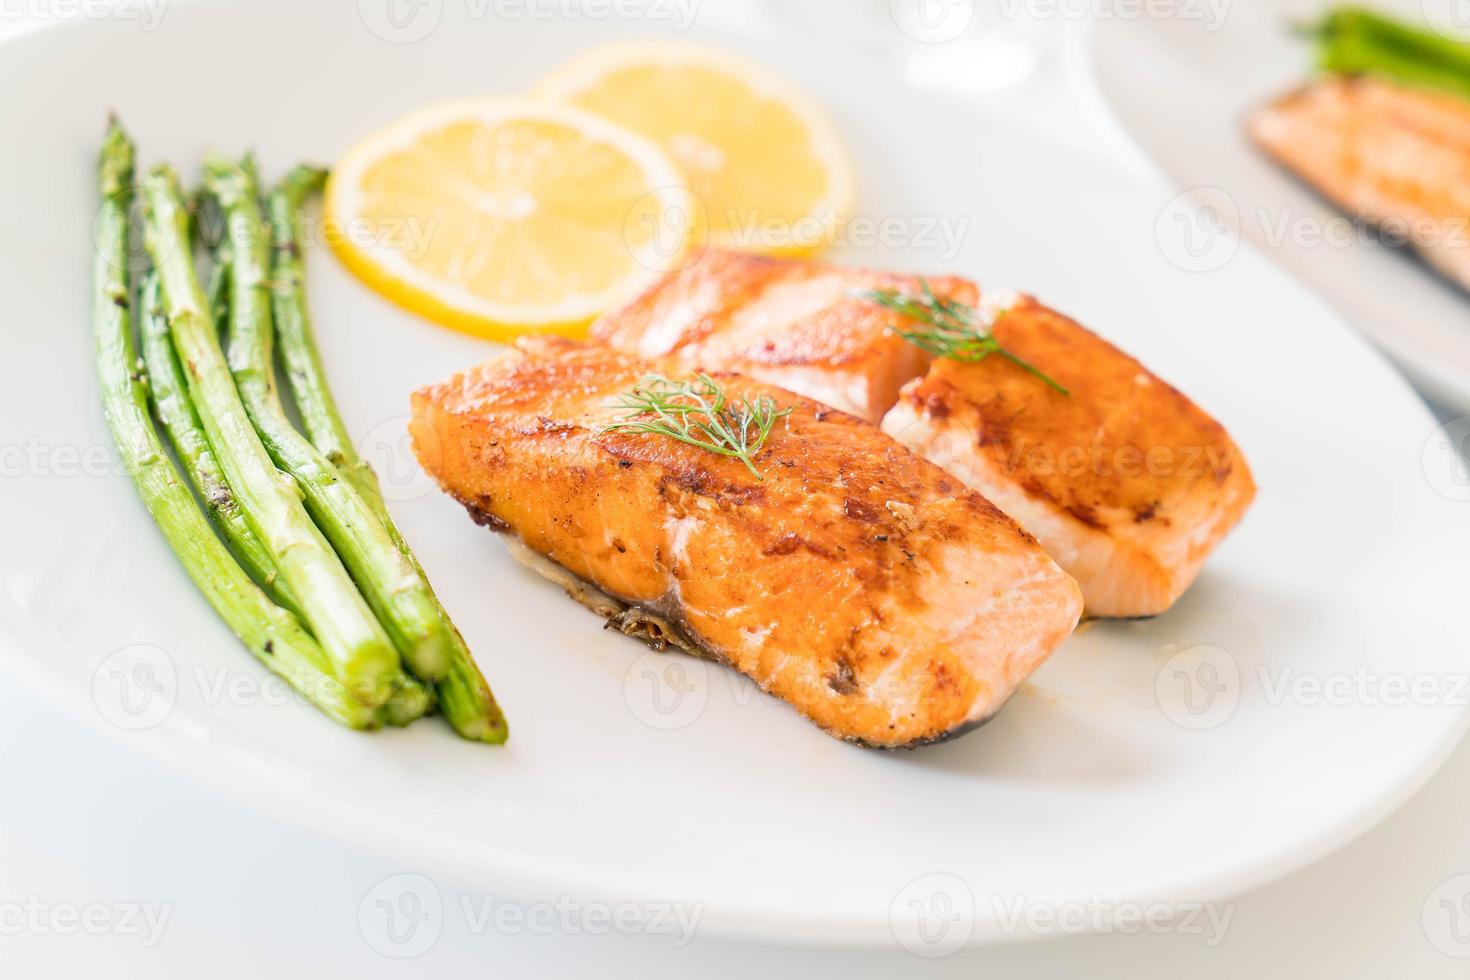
(304, 180)
(116, 159)
(490, 731)
(229, 180)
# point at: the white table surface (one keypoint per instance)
(85, 821)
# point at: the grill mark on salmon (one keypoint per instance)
(910, 626)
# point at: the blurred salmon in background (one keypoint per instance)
(1383, 132)
(1394, 157)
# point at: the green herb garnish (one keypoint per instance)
(949, 328)
(698, 412)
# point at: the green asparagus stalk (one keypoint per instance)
(338, 617)
(410, 699)
(388, 580)
(296, 343)
(1352, 40)
(181, 424)
(464, 696)
(272, 634)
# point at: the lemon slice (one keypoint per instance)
(764, 161)
(506, 216)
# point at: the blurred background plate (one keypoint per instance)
(1182, 86)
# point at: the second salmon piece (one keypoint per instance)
(799, 325)
(875, 593)
(1127, 483)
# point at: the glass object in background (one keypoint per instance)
(973, 47)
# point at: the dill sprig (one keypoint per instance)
(698, 412)
(949, 328)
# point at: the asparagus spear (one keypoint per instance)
(271, 633)
(397, 594)
(1353, 40)
(181, 424)
(308, 381)
(410, 702)
(363, 656)
(464, 695)
(410, 699)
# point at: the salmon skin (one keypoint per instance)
(800, 325)
(885, 601)
(1389, 155)
(1125, 481)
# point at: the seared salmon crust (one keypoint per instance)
(1127, 483)
(875, 593)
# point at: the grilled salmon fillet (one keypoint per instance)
(800, 325)
(1388, 155)
(1124, 481)
(887, 602)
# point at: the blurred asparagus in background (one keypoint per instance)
(1357, 41)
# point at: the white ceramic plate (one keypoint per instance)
(1147, 762)
(1182, 88)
